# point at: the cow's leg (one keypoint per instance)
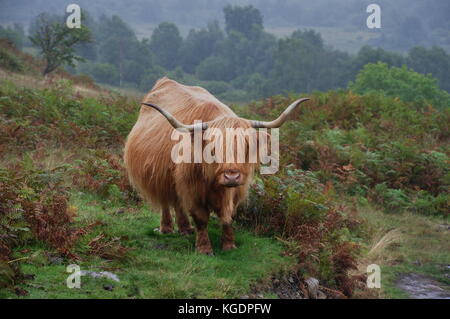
(184, 226)
(227, 236)
(226, 219)
(166, 221)
(202, 242)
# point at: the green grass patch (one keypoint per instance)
(156, 266)
(408, 243)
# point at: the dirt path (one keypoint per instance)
(422, 287)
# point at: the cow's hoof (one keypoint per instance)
(205, 251)
(163, 230)
(228, 246)
(186, 231)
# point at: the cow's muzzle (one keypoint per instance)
(231, 178)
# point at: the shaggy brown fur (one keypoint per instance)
(187, 187)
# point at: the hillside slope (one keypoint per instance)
(363, 179)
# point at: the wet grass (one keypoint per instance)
(408, 243)
(156, 266)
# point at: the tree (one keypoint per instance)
(367, 54)
(311, 37)
(296, 65)
(151, 75)
(102, 72)
(119, 46)
(401, 82)
(56, 41)
(88, 50)
(435, 61)
(165, 44)
(403, 34)
(248, 55)
(215, 68)
(199, 45)
(304, 64)
(242, 19)
(15, 34)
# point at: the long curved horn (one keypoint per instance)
(281, 119)
(175, 123)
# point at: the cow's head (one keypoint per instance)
(235, 148)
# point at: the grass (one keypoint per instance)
(157, 266)
(407, 243)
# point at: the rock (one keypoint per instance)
(244, 297)
(20, 292)
(101, 274)
(160, 246)
(417, 263)
(55, 260)
(313, 287)
(29, 276)
(120, 211)
(419, 286)
(108, 287)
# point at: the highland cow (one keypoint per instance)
(196, 189)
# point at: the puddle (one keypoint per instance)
(422, 287)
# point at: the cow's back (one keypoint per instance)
(149, 145)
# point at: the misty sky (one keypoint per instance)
(342, 23)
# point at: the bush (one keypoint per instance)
(14, 34)
(104, 174)
(217, 87)
(401, 82)
(103, 72)
(294, 206)
(427, 204)
(214, 68)
(370, 146)
(34, 207)
(32, 116)
(10, 62)
(150, 77)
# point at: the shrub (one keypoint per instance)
(35, 200)
(296, 207)
(103, 72)
(31, 116)
(214, 68)
(10, 62)
(104, 174)
(358, 142)
(34, 206)
(401, 82)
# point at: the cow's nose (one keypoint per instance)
(232, 176)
